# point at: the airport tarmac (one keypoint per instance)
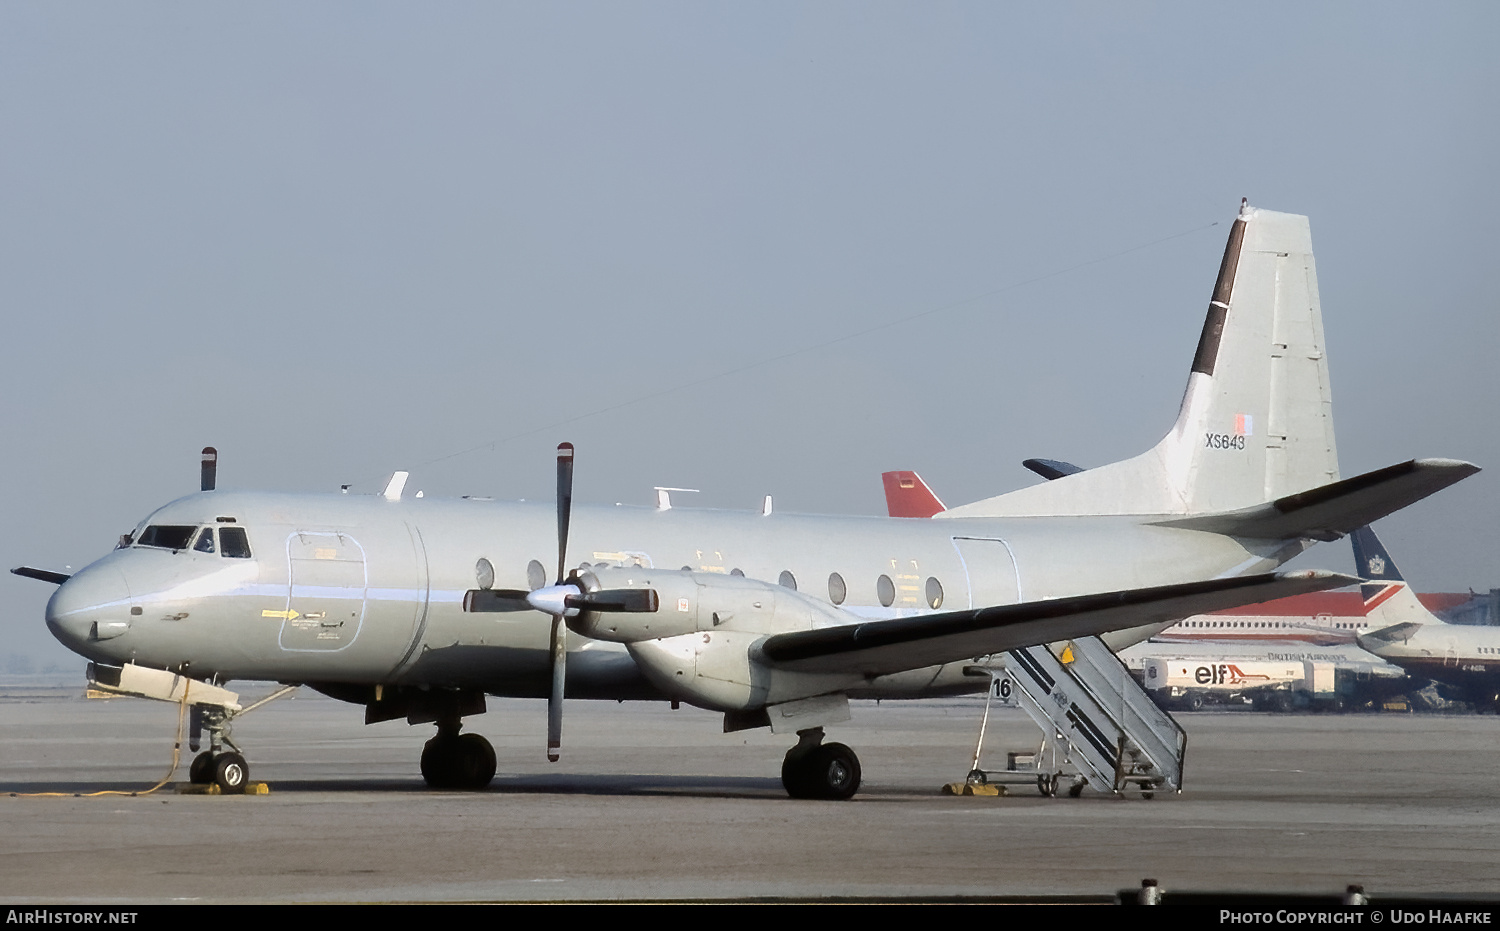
(653, 803)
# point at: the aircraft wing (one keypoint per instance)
(1330, 511)
(881, 647)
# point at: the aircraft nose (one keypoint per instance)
(91, 606)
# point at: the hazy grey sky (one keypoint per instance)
(339, 239)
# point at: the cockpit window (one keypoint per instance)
(205, 542)
(166, 536)
(233, 543)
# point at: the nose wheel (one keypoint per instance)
(226, 769)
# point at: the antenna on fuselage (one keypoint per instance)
(664, 496)
(395, 485)
(209, 471)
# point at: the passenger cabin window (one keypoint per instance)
(536, 575)
(166, 536)
(233, 543)
(837, 590)
(934, 593)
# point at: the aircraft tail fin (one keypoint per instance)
(1256, 419)
(906, 495)
(1391, 607)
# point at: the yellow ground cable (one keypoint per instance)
(176, 758)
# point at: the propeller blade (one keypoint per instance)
(41, 575)
(623, 600)
(195, 728)
(564, 504)
(497, 600)
(555, 699)
(208, 475)
(566, 600)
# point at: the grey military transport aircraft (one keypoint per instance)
(419, 607)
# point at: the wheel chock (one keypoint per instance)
(251, 788)
(964, 788)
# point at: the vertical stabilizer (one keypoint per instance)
(1256, 421)
(906, 495)
(1388, 599)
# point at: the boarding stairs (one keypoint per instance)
(1104, 723)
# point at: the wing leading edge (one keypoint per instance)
(883, 647)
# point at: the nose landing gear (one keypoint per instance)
(214, 766)
(212, 707)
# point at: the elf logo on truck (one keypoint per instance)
(1225, 674)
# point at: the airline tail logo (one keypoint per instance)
(1377, 595)
(1376, 566)
(1225, 674)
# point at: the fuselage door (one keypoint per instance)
(326, 601)
(991, 571)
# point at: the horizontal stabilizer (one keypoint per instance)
(1330, 511)
(1051, 469)
(1391, 634)
(881, 647)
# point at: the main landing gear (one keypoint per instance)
(813, 769)
(457, 761)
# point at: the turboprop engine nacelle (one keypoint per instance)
(700, 644)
